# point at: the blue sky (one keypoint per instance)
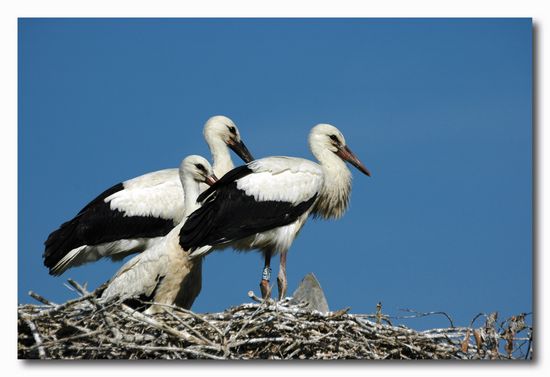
(438, 109)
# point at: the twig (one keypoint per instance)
(419, 315)
(41, 299)
(37, 338)
(78, 287)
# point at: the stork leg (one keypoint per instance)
(266, 276)
(281, 277)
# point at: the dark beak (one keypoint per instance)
(241, 150)
(347, 155)
(210, 180)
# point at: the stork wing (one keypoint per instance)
(250, 199)
(144, 207)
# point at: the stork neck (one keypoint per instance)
(334, 198)
(191, 191)
(221, 156)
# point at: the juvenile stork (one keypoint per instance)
(264, 204)
(130, 216)
(164, 273)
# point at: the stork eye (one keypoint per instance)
(232, 130)
(335, 139)
(201, 167)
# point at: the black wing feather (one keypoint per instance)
(228, 178)
(97, 223)
(228, 215)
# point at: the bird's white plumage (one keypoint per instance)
(333, 199)
(156, 194)
(279, 178)
(141, 274)
(164, 268)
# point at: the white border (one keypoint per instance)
(280, 8)
(11, 10)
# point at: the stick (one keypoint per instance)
(36, 336)
(41, 299)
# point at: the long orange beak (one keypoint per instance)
(347, 155)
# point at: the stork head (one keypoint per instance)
(199, 169)
(220, 129)
(325, 138)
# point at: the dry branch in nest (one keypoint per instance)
(84, 328)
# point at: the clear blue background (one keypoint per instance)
(438, 109)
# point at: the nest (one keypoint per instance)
(85, 328)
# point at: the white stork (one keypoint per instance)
(264, 204)
(130, 216)
(164, 273)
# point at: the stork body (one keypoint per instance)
(164, 273)
(263, 205)
(133, 215)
